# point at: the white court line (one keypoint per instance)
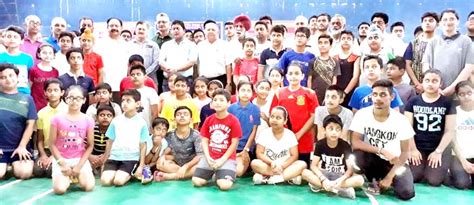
(39, 196)
(10, 183)
(372, 199)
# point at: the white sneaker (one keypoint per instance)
(275, 179)
(258, 179)
(295, 180)
(347, 193)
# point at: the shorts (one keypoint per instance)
(125, 166)
(86, 168)
(7, 157)
(226, 171)
(331, 175)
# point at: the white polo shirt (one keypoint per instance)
(213, 58)
(175, 55)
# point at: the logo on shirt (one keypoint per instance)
(334, 164)
(274, 156)
(300, 100)
(219, 135)
(379, 138)
(467, 125)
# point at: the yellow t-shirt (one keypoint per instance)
(44, 119)
(169, 106)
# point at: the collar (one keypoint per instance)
(81, 74)
(37, 38)
(451, 37)
(282, 49)
(61, 105)
(158, 35)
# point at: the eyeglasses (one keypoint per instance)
(71, 98)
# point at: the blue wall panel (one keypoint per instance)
(199, 10)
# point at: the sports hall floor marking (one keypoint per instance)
(34, 198)
(10, 183)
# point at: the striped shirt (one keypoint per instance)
(100, 140)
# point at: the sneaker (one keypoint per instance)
(314, 188)
(275, 179)
(258, 179)
(295, 180)
(158, 176)
(347, 193)
(147, 177)
(373, 188)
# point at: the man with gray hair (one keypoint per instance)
(32, 39)
(338, 24)
(58, 25)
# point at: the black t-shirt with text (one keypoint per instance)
(333, 159)
(429, 120)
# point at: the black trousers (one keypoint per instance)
(377, 168)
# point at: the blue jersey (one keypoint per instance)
(248, 116)
(294, 57)
(362, 97)
(15, 110)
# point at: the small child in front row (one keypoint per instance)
(105, 114)
(156, 146)
(184, 149)
(53, 89)
(71, 143)
(103, 96)
(220, 137)
(277, 152)
(249, 118)
(331, 168)
(126, 147)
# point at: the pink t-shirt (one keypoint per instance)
(37, 79)
(248, 68)
(71, 136)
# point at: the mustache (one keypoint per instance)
(114, 30)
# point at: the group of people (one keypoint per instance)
(196, 107)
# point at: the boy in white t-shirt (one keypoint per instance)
(380, 141)
(126, 146)
(149, 98)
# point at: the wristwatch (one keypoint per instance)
(247, 149)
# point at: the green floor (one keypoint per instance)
(182, 192)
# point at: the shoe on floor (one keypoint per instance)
(347, 193)
(295, 181)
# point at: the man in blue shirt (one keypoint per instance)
(58, 25)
